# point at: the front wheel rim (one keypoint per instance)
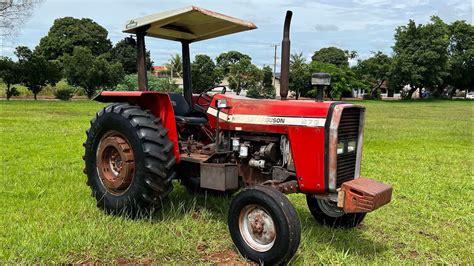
(257, 228)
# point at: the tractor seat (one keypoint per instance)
(183, 112)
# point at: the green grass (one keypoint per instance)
(424, 149)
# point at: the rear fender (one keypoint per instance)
(158, 103)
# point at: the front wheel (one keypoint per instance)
(327, 213)
(264, 225)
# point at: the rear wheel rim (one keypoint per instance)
(330, 208)
(115, 163)
(257, 228)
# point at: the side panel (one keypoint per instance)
(307, 149)
(158, 103)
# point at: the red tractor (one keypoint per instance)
(140, 143)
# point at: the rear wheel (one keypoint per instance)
(327, 213)
(129, 160)
(264, 225)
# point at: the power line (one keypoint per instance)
(274, 61)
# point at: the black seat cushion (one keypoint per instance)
(183, 112)
(180, 105)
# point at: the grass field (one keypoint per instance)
(424, 149)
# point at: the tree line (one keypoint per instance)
(436, 57)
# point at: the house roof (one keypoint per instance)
(190, 23)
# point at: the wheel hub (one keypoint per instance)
(115, 163)
(257, 228)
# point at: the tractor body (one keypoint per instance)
(225, 142)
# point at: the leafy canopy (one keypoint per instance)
(68, 32)
(125, 53)
(244, 75)
(204, 73)
(84, 69)
(226, 60)
(331, 55)
(35, 71)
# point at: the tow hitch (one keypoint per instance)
(363, 195)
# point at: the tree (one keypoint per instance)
(130, 83)
(125, 53)
(84, 69)
(461, 55)
(266, 89)
(342, 79)
(35, 71)
(68, 32)
(420, 55)
(300, 77)
(226, 60)
(244, 75)
(13, 14)
(331, 55)
(375, 71)
(204, 73)
(9, 73)
(175, 64)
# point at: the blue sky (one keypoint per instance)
(362, 25)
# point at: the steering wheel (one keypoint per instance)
(204, 100)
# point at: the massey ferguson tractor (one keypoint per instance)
(261, 149)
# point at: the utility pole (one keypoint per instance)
(274, 62)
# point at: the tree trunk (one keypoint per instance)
(410, 93)
(35, 96)
(8, 92)
(390, 93)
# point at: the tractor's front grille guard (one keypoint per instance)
(347, 124)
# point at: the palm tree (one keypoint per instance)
(175, 64)
(297, 60)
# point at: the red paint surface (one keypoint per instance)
(307, 143)
(307, 149)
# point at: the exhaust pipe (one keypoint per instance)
(285, 57)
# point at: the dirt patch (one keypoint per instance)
(428, 235)
(226, 257)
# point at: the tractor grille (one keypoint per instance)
(348, 131)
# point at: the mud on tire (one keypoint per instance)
(140, 142)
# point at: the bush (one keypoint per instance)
(64, 94)
(130, 83)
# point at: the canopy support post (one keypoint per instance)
(187, 83)
(141, 59)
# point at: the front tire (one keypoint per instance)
(128, 160)
(327, 213)
(264, 225)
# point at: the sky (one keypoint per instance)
(365, 26)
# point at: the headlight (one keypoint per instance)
(340, 148)
(346, 146)
(351, 146)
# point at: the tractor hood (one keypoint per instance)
(252, 114)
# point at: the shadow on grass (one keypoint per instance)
(314, 236)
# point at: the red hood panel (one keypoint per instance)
(291, 108)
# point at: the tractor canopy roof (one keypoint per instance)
(189, 24)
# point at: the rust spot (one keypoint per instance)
(115, 162)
